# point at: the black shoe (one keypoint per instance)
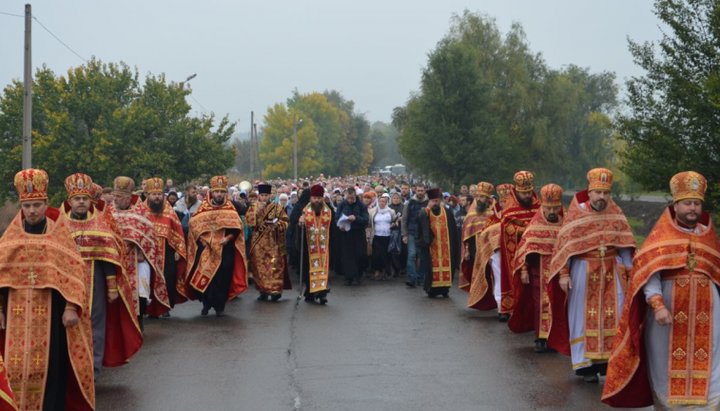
(541, 346)
(154, 317)
(275, 297)
(503, 318)
(166, 315)
(323, 300)
(220, 313)
(309, 299)
(262, 297)
(446, 294)
(591, 379)
(410, 284)
(204, 311)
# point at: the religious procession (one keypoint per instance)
(81, 282)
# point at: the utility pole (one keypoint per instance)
(27, 92)
(256, 150)
(296, 122)
(252, 145)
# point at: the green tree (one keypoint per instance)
(674, 109)
(488, 106)
(338, 137)
(99, 119)
(277, 144)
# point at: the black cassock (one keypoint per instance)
(298, 237)
(216, 293)
(353, 243)
(425, 238)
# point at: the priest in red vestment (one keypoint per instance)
(217, 265)
(531, 310)
(171, 249)
(45, 334)
(473, 224)
(667, 350)
(588, 276)
(142, 257)
(515, 217)
(116, 330)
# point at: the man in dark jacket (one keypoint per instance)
(409, 229)
(353, 243)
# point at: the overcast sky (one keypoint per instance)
(249, 55)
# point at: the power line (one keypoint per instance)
(59, 41)
(199, 104)
(11, 14)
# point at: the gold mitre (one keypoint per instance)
(32, 184)
(484, 188)
(219, 183)
(688, 185)
(79, 184)
(551, 195)
(154, 185)
(599, 179)
(524, 181)
(123, 185)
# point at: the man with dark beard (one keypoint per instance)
(172, 253)
(515, 217)
(316, 218)
(531, 268)
(141, 257)
(668, 357)
(472, 227)
(216, 251)
(115, 327)
(353, 243)
(268, 253)
(588, 275)
(438, 241)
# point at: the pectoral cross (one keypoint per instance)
(602, 250)
(32, 276)
(692, 262)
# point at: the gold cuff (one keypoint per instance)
(656, 302)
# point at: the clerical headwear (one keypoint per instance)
(123, 185)
(154, 185)
(599, 179)
(524, 181)
(484, 188)
(688, 185)
(434, 193)
(504, 191)
(551, 195)
(79, 184)
(317, 191)
(96, 191)
(32, 184)
(219, 183)
(264, 189)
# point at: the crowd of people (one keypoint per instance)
(80, 281)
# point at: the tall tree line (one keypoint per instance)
(101, 119)
(488, 106)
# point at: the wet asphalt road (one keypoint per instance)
(378, 346)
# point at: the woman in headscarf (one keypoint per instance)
(381, 219)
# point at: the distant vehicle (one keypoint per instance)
(397, 169)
